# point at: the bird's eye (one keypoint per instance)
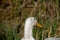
(34, 19)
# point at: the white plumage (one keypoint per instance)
(29, 23)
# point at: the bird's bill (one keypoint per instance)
(39, 25)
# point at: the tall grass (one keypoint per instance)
(47, 13)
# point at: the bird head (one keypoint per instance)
(33, 21)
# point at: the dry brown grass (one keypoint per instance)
(13, 14)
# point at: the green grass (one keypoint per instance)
(46, 12)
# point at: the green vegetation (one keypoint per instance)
(13, 14)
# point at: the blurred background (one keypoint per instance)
(13, 14)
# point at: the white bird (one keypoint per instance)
(30, 22)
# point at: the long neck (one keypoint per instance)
(28, 31)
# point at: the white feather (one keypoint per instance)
(30, 22)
